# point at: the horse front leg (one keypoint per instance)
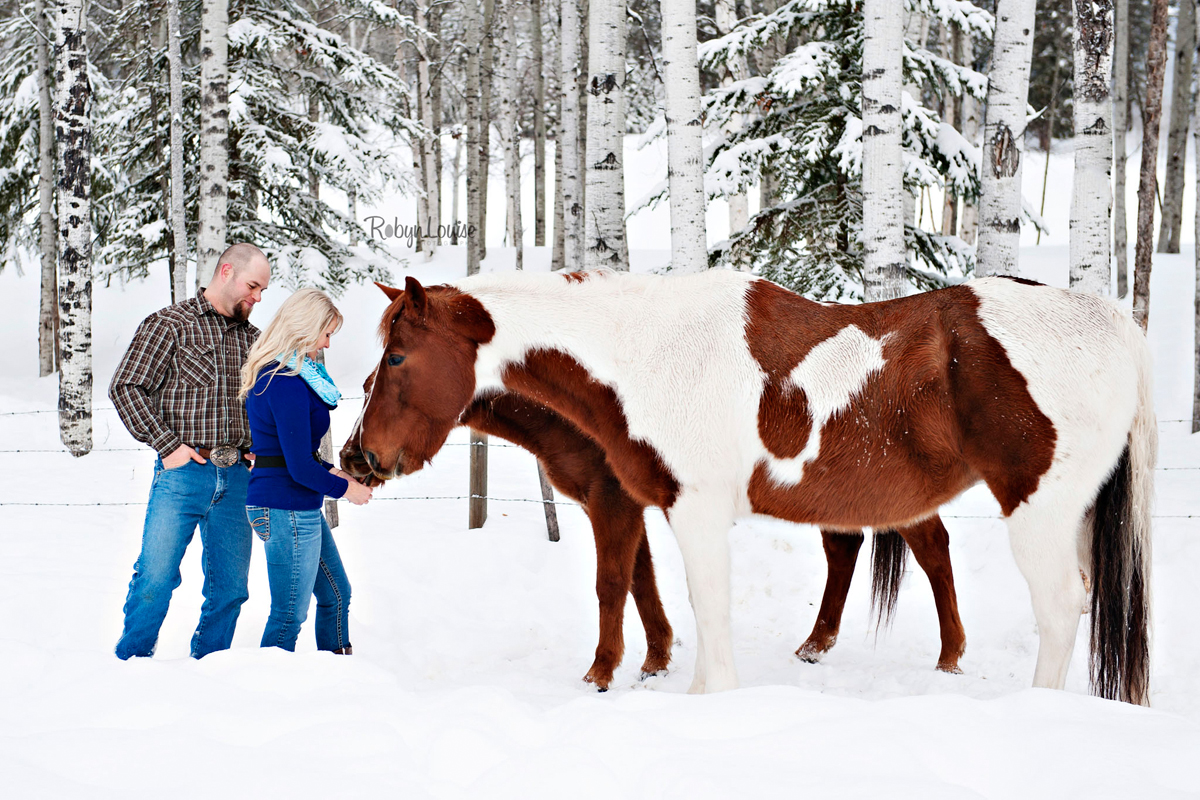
(702, 530)
(930, 544)
(619, 529)
(659, 636)
(841, 553)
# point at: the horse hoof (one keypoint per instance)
(601, 685)
(809, 655)
(953, 669)
(645, 674)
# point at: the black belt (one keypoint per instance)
(280, 461)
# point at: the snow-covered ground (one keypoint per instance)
(470, 645)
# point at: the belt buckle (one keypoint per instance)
(225, 455)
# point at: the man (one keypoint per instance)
(176, 390)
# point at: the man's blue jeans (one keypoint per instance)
(180, 499)
(302, 561)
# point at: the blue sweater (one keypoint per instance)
(287, 418)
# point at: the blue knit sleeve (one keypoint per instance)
(289, 402)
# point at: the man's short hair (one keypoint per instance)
(239, 257)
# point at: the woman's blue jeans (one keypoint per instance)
(302, 561)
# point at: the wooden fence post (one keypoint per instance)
(478, 501)
(548, 503)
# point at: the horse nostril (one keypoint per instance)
(372, 461)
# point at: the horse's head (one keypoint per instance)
(423, 382)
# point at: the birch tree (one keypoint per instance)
(884, 258)
(508, 124)
(1003, 139)
(214, 137)
(685, 148)
(1090, 200)
(1181, 116)
(604, 226)
(431, 201)
(475, 162)
(1143, 254)
(48, 307)
(178, 220)
(1120, 128)
(1196, 320)
(73, 133)
(539, 124)
(968, 225)
(568, 140)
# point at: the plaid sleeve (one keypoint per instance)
(138, 378)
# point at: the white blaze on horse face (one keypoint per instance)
(830, 376)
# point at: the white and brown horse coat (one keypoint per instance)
(720, 395)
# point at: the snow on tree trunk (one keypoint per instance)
(430, 218)
(73, 132)
(1004, 139)
(968, 225)
(685, 148)
(1120, 126)
(471, 13)
(508, 122)
(1156, 57)
(568, 141)
(1181, 116)
(48, 309)
(726, 18)
(882, 152)
(604, 226)
(1091, 203)
(178, 221)
(214, 137)
(539, 125)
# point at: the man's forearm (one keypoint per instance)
(143, 419)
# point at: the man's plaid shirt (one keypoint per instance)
(179, 380)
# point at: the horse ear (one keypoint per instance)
(416, 295)
(391, 293)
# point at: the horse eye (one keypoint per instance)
(395, 361)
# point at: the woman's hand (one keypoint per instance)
(356, 493)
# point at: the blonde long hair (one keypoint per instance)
(298, 326)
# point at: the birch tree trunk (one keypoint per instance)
(178, 221)
(430, 204)
(73, 132)
(352, 190)
(568, 141)
(471, 16)
(539, 126)
(1004, 139)
(456, 177)
(604, 231)
(1120, 128)
(48, 306)
(435, 108)
(685, 148)
(1181, 116)
(1091, 203)
(214, 137)
(508, 123)
(968, 225)
(725, 16)
(882, 156)
(1143, 253)
(487, 66)
(951, 112)
(1196, 320)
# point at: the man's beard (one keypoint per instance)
(241, 312)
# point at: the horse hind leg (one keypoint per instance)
(841, 552)
(659, 636)
(930, 544)
(619, 529)
(1044, 544)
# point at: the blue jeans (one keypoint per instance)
(302, 561)
(180, 499)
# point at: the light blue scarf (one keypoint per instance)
(316, 377)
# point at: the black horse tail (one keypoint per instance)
(889, 553)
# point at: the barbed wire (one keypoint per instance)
(376, 499)
(149, 450)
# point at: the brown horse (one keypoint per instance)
(718, 395)
(576, 466)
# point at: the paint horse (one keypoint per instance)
(719, 395)
(576, 466)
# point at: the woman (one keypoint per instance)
(288, 397)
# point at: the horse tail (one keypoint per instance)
(889, 552)
(1120, 553)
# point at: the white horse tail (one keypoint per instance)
(1120, 552)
